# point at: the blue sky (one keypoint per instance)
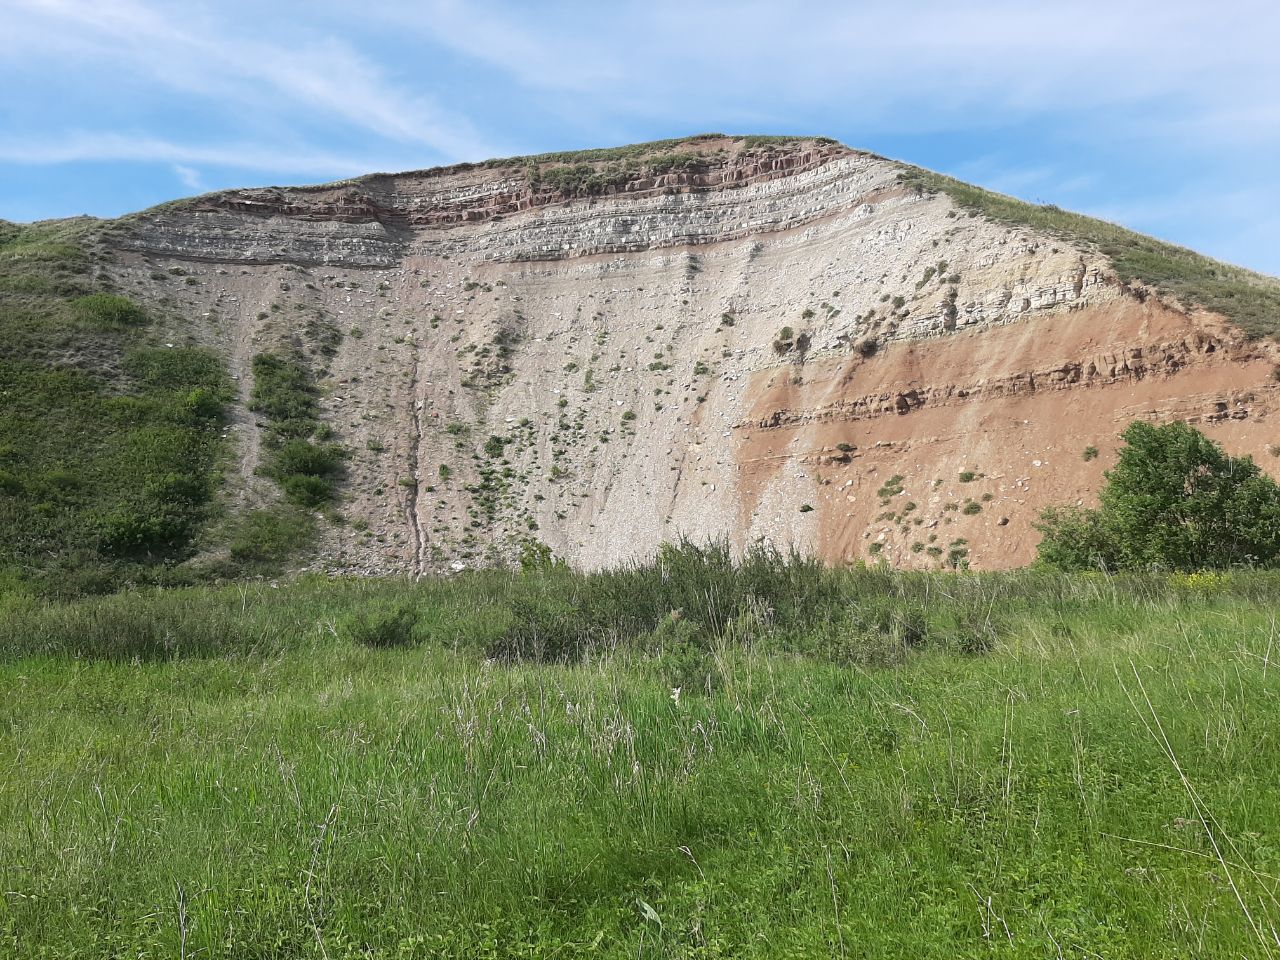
(1164, 116)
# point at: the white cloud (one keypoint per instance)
(189, 177)
(926, 65)
(107, 146)
(186, 50)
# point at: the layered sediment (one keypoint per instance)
(769, 342)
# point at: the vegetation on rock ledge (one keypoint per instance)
(109, 439)
(1248, 299)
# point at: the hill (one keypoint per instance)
(771, 340)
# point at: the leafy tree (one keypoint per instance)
(1174, 500)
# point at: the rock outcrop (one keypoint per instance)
(777, 341)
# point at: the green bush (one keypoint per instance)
(1175, 500)
(307, 472)
(282, 390)
(148, 528)
(204, 404)
(306, 491)
(494, 446)
(269, 537)
(309, 459)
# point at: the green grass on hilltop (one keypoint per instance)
(636, 151)
(596, 171)
(1248, 299)
(342, 769)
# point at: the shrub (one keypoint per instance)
(147, 527)
(535, 555)
(309, 459)
(270, 536)
(282, 389)
(1090, 453)
(306, 491)
(1174, 500)
(203, 404)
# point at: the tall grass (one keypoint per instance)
(687, 596)
(260, 784)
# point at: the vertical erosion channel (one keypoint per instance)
(412, 491)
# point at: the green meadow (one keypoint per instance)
(686, 758)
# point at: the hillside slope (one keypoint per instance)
(767, 339)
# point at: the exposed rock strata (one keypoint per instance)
(700, 352)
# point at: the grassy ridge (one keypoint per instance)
(597, 171)
(1250, 300)
(826, 782)
(638, 151)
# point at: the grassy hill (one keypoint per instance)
(113, 433)
(110, 435)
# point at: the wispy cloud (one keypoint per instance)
(189, 177)
(1111, 105)
(934, 64)
(107, 146)
(185, 49)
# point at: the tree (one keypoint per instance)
(1175, 500)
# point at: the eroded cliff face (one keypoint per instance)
(777, 343)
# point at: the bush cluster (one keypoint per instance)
(307, 471)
